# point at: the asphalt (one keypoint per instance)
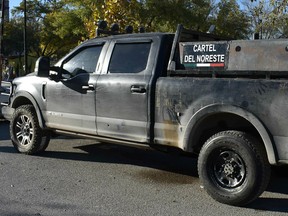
(88, 178)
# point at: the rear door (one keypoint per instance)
(123, 89)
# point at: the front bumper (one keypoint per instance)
(7, 112)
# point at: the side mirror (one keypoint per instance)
(42, 66)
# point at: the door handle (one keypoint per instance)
(90, 87)
(138, 89)
(44, 84)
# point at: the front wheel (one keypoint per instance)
(233, 168)
(26, 134)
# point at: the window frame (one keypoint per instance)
(150, 61)
(66, 60)
(145, 64)
(104, 43)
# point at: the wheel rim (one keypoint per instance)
(24, 130)
(229, 169)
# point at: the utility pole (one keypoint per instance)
(1, 40)
(25, 37)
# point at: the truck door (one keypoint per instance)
(123, 90)
(70, 101)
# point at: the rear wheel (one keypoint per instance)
(26, 134)
(233, 168)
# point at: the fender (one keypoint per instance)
(222, 108)
(19, 96)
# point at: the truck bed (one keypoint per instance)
(212, 56)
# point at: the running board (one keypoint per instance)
(102, 139)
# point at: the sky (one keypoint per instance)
(13, 3)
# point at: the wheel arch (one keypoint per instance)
(198, 127)
(23, 98)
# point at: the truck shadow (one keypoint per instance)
(277, 185)
(174, 164)
(270, 204)
(138, 156)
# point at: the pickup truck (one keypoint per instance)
(223, 101)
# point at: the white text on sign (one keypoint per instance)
(204, 58)
(204, 53)
(204, 48)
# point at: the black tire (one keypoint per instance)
(26, 134)
(233, 168)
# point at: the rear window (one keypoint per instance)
(129, 58)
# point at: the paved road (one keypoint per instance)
(84, 177)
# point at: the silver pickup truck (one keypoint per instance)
(223, 101)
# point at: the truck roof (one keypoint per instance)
(129, 36)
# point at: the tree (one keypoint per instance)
(13, 38)
(154, 15)
(230, 21)
(55, 27)
(165, 15)
(270, 18)
(123, 12)
(62, 30)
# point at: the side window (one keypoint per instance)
(84, 61)
(129, 58)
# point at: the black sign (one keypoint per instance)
(212, 54)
